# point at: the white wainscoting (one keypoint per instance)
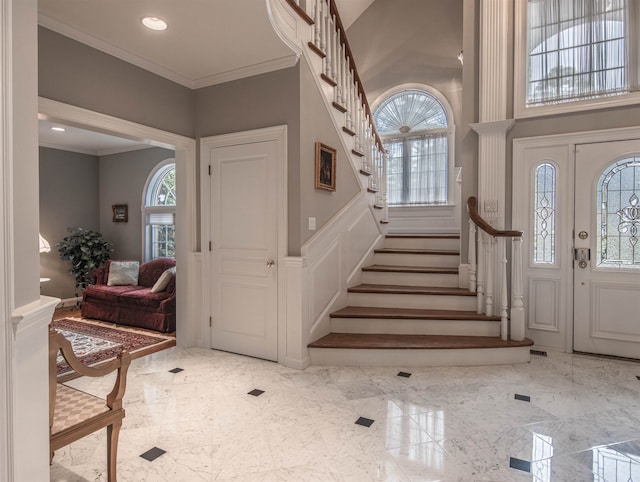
(317, 281)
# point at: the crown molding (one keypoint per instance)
(112, 50)
(248, 71)
(219, 78)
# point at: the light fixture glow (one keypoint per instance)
(154, 23)
(58, 129)
(44, 245)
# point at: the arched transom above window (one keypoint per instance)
(409, 111)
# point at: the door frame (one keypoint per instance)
(188, 330)
(563, 338)
(279, 135)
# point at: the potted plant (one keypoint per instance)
(86, 250)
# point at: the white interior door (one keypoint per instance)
(607, 232)
(244, 233)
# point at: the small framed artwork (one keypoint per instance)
(325, 167)
(120, 213)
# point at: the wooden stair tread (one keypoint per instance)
(410, 290)
(413, 342)
(386, 268)
(443, 252)
(423, 236)
(409, 314)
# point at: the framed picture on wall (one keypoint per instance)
(120, 213)
(325, 167)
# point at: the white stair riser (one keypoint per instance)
(422, 243)
(434, 302)
(404, 358)
(415, 327)
(410, 279)
(431, 260)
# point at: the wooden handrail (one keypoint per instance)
(333, 10)
(484, 225)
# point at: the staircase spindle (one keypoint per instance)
(504, 302)
(480, 276)
(472, 256)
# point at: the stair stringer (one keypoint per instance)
(333, 258)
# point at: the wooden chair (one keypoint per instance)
(74, 414)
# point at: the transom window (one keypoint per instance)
(414, 128)
(159, 212)
(578, 50)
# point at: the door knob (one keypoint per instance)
(270, 263)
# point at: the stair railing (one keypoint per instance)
(329, 41)
(491, 245)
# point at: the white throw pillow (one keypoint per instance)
(163, 280)
(123, 273)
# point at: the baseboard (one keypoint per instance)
(68, 302)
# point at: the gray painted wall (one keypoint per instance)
(77, 74)
(69, 194)
(78, 190)
(122, 179)
(317, 126)
(23, 151)
(265, 100)
(405, 41)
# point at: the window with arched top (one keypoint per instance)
(159, 212)
(415, 129)
(618, 214)
(544, 228)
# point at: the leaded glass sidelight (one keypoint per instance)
(619, 215)
(544, 233)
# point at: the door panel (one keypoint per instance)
(244, 245)
(607, 276)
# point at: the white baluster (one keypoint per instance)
(517, 304)
(504, 302)
(489, 267)
(323, 26)
(317, 22)
(481, 276)
(472, 256)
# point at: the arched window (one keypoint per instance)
(544, 228)
(618, 214)
(159, 212)
(414, 128)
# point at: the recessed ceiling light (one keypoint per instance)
(154, 23)
(58, 129)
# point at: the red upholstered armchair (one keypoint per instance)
(134, 305)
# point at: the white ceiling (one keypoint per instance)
(207, 42)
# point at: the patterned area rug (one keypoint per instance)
(96, 342)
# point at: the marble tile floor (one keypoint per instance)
(559, 418)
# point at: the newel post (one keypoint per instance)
(517, 303)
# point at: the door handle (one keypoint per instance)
(270, 263)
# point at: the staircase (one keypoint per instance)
(410, 312)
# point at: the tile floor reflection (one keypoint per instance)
(581, 422)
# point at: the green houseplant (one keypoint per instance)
(86, 250)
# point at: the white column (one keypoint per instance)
(517, 305)
(493, 125)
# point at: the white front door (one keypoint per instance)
(607, 240)
(244, 251)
